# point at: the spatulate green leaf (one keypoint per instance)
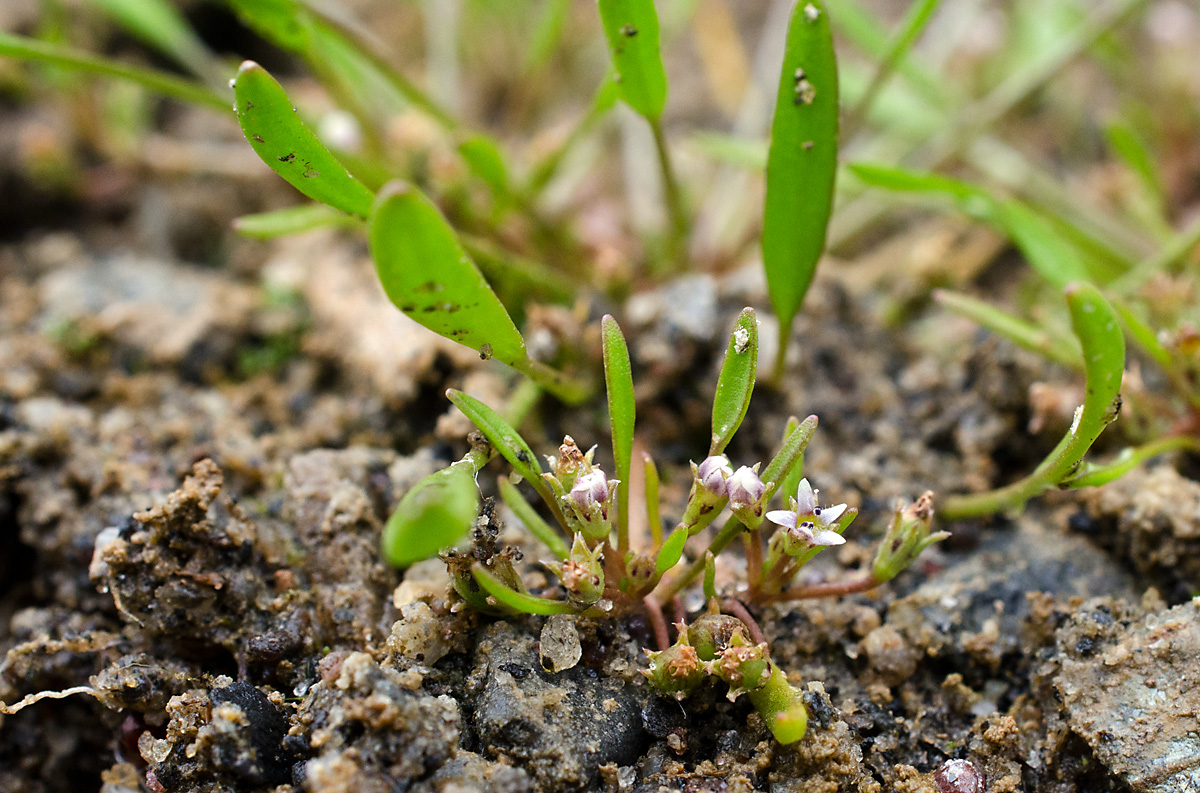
(801, 164)
(783, 467)
(631, 27)
(276, 133)
(434, 514)
(429, 276)
(736, 381)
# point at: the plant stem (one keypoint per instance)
(676, 215)
(723, 538)
(739, 610)
(825, 589)
(657, 621)
(754, 559)
(1132, 458)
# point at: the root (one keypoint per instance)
(32, 698)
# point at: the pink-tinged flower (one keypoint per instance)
(745, 487)
(808, 522)
(590, 490)
(713, 473)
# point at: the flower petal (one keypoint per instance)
(783, 518)
(828, 538)
(830, 515)
(806, 499)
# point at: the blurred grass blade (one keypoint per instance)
(435, 513)
(1128, 144)
(428, 275)
(293, 220)
(750, 155)
(29, 49)
(503, 437)
(158, 24)
(801, 165)
(289, 148)
(518, 601)
(736, 381)
(1055, 257)
(483, 156)
(533, 521)
(546, 35)
(790, 457)
(914, 22)
(1143, 335)
(618, 381)
(1019, 332)
(631, 27)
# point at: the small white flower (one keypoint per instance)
(745, 487)
(808, 521)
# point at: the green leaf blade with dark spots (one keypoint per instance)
(289, 148)
(631, 27)
(801, 163)
(428, 275)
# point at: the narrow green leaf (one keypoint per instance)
(434, 514)
(618, 381)
(1019, 332)
(710, 575)
(672, 550)
(1129, 145)
(289, 148)
(653, 515)
(736, 381)
(281, 22)
(293, 220)
(631, 27)
(790, 457)
(547, 34)
(801, 164)
(1143, 335)
(519, 601)
(1099, 333)
(1129, 458)
(1055, 257)
(29, 49)
(428, 275)
(160, 25)
(533, 521)
(914, 22)
(501, 435)
(790, 481)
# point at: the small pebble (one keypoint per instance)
(959, 776)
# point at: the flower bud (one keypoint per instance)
(745, 488)
(590, 491)
(906, 538)
(582, 574)
(713, 472)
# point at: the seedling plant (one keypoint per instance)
(602, 572)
